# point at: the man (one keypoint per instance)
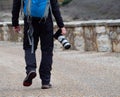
(43, 30)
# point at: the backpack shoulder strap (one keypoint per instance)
(22, 8)
(48, 6)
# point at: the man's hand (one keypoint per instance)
(16, 29)
(63, 31)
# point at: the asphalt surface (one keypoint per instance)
(74, 74)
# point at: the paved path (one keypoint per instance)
(74, 74)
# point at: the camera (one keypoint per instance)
(62, 39)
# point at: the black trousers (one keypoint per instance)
(43, 31)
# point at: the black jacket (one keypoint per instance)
(55, 10)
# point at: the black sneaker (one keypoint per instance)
(46, 86)
(28, 80)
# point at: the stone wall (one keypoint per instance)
(5, 5)
(101, 36)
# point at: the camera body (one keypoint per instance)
(61, 38)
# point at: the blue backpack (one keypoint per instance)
(36, 8)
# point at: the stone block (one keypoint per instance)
(101, 29)
(79, 43)
(87, 32)
(5, 32)
(104, 43)
(113, 35)
(90, 38)
(78, 30)
(89, 45)
(118, 30)
(116, 47)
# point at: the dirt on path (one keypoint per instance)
(74, 74)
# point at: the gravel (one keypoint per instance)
(74, 74)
